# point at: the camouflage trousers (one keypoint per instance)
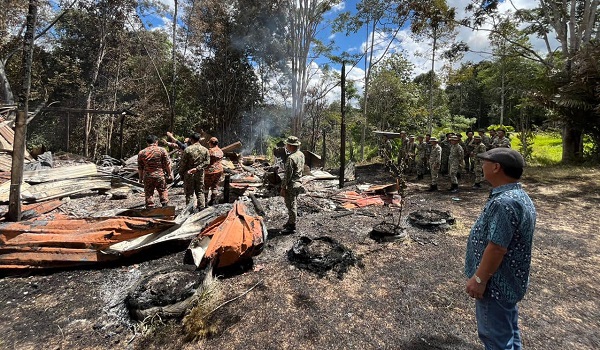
(211, 184)
(291, 203)
(159, 184)
(435, 173)
(421, 165)
(194, 184)
(478, 170)
(454, 169)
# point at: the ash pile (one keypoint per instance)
(432, 219)
(321, 255)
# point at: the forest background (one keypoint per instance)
(258, 70)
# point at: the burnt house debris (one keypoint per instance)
(322, 254)
(232, 233)
(431, 219)
(167, 293)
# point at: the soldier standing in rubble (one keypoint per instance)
(291, 186)
(154, 167)
(212, 174)
(194, 160)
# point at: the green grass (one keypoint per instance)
(547, 148)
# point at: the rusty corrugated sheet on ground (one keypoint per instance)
(58, 241)
(36, 209)
(352, 199)
(233, 237)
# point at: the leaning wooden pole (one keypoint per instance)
(16, 175)
(343, 128)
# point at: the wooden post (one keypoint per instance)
(68, 129)
(324, 155)
(121, 136)
(16, 175)
(343, 128)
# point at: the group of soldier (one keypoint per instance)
(452, 155)
(199, 167)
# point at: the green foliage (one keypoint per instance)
(456, 123)
(508, 128)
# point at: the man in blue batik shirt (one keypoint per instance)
(499, 251)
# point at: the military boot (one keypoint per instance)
(288, 229)
(432, 188)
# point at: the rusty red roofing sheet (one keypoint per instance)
(234, 237)
(53, 241)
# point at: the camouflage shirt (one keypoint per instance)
(435, 158)
(194, 156)
(421, 150)
(153, 161)
(294, 166)
(480, 148)
(457, 154)
(501, 142)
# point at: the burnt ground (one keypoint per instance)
(408, 295)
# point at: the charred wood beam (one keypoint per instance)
(259, 208)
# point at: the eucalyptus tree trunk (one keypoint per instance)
(14, 208)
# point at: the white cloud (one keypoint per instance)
(169, 3)
(339, 7)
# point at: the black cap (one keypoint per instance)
(506, 157)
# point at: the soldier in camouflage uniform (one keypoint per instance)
(154, 166)
(493, 137)
(468, 150)
(445, 144)
(485, 139)
(420, 157)
(435, 162)
(194, 160)
(456, 162)
(411, 151)
(402, 153)
(501, 140)
(478, 147)
(291, 186)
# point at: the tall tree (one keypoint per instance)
(14, 210)
(434, 19)
(394, 96)
(305, 16)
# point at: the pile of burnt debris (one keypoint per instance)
(229, 233)
(322, 254)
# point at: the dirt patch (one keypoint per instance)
(409, 295)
